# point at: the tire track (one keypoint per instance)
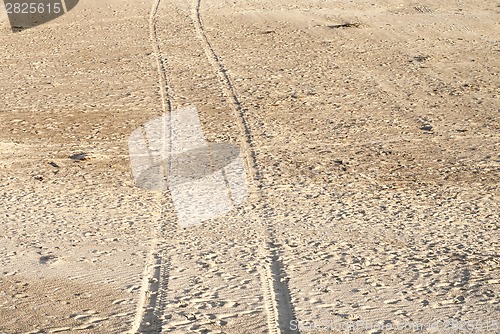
(278, 303)
(154, 286)
(230, 91)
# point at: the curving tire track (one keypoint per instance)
(154, 287)
(278, 303)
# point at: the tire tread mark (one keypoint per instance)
(154, 287)
(277, 299)
(230, 91)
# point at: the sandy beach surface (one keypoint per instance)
(370, 139)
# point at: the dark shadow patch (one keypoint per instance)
(79, 156)
(420, 59)
(47, 259)
(345, 25)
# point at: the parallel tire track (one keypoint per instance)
(277, 298)
(154, 287)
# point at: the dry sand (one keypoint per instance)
(372, 140)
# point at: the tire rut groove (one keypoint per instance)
(278, 305)
(153, 298)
